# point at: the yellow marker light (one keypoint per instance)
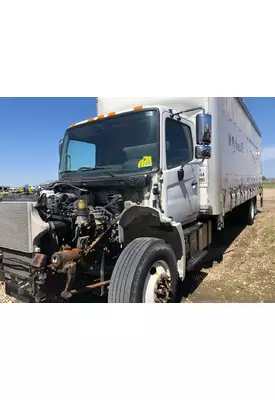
(111, 114)
(138, 108)
(101, 117)
(91, 119)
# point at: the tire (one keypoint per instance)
(251, 211)
(133, 278)
(256, 206)
(245, 213)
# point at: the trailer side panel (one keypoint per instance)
(237, 148)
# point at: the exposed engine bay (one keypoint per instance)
(80, 244)
(77, 219)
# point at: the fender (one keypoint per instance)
(144, 221)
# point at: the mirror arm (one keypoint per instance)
(195, 109)
(186, 111)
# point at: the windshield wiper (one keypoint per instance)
(98, 168)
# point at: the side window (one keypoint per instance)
(179, 145)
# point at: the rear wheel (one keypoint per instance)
(245, 213)
(251, 211)
(146, 272)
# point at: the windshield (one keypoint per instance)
(123, 144)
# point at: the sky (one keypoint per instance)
(263, 112)
(30, 130)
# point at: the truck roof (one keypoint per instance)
(138, 108)
(242, 104)
(239, 100)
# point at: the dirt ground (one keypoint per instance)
(239, 268)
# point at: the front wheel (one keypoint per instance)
(146, 272)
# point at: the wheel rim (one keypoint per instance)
(157, 286)
(252, 211)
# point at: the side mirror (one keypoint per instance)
(203, 152)
(204, 128)
(60, 146)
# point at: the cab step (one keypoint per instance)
(192, 229)
(196, 259)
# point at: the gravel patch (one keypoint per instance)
(4, 298)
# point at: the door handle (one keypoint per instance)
(181, 174)
(194, 183)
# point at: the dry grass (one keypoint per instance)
(247, 270)
(269, 185)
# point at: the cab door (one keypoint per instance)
(180, 176)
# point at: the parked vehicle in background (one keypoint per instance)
(140, 188)
(4, 189)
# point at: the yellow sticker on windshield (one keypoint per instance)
(145, 162)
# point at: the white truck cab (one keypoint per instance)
(175, 147)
